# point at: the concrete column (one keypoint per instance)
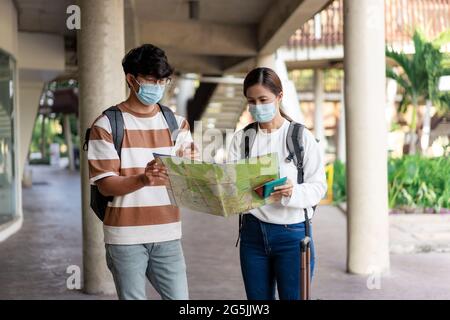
(102, 84)
(186, 90)
(319, 130)
(29, 95)
(43, 137)
(68, 138)
(391, 94)
(290, 103)
(425, 139)
(266, 60)
(132, 33)
(341, 127)
(365, 91)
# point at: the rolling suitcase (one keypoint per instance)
(305, 262)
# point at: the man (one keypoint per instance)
(142, 230)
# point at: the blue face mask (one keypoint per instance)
(263, 112)
(149, 94)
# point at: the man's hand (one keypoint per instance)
(189, 151)
(282, 191)
(155, 174)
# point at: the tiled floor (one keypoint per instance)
(33, 262)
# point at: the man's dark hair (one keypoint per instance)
(147, 60)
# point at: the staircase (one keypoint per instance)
(224, 108)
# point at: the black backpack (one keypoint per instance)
(99, 202)
(294, 141)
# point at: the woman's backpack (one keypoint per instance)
(294, 142)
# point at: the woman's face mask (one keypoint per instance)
(148, 93)
(263, 112)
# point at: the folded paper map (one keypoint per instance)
(219, 189)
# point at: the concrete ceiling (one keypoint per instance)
(47, 16)
(245, 12)
(226, 36)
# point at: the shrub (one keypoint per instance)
(414, 182)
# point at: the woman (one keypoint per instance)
(271, 234)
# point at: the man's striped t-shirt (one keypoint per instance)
(145, 215)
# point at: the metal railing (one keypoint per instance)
(326, 29)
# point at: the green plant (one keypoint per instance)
(339, 182)
(419, 182)
(52, 134)
(420, 73)
(414, 182)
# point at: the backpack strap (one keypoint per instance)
(296, 154)
(294, 141)
(248, 138)
(115, 117)
(171, 121)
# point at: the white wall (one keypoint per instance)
(41, 58)
(29, 95)
(8, 27)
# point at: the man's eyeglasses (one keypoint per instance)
(161, 82)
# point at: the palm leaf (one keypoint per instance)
(421, 71)
(401, 59)
(390, 73)
(442, 39)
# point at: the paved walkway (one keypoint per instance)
(33, 262)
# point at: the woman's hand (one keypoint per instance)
(282, 191)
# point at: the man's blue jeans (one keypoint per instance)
(270, 253)
(161, 263)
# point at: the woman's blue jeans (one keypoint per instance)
(270, 254)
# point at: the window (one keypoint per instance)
(7, 169)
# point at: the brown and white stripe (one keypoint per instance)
(146, 215)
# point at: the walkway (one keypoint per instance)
(34, 261)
